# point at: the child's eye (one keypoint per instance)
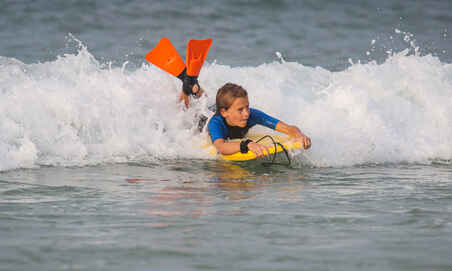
(244, 109)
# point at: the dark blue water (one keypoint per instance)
(315, 33)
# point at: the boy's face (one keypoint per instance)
(238, 113)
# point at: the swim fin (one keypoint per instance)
(196, 54)
(166, 57)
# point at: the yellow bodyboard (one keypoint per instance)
(289, 144)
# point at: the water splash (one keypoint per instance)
(76, 111)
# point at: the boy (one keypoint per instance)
(234, 117)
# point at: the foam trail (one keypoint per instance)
(75, 111)
(397, 111)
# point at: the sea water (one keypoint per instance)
(101, 168)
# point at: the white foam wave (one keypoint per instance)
(76, 111)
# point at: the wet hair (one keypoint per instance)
(227, 94)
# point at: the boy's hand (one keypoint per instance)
(304, 141)
(293, 132)
(258, 149)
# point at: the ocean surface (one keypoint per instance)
(102, 169)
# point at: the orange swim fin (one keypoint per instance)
(196, 54)
(166, 57)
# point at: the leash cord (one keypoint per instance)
(275, 145)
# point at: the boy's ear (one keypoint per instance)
(223, 112)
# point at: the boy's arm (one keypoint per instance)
(293, 131)
(226, 148)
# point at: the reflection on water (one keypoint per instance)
(223, 181)
(179, 201)
(212, 214)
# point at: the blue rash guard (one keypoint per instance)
(218, 128)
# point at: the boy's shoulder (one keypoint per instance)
(216, 117)
(216, 120)
(254, 110)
